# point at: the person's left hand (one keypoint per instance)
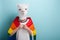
(25, 27)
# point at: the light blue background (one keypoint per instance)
(45, 15)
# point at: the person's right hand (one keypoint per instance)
(21, 25)
(25, 27)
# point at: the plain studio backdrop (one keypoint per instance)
(44, 13)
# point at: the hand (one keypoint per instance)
(25, 27)
(21, 25)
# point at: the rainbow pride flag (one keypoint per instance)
(15, 24)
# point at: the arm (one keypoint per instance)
(14, 31)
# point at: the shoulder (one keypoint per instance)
(28, 17)
(16, 18)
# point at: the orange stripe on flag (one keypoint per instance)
(32, 27)
(13, 26)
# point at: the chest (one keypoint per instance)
(22, 34)
(24, 23)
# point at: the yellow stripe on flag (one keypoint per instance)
(10, 31)
(34, 32)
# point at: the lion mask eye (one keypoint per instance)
(25, 8)
(19, 9)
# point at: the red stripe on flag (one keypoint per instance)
(29, 23)
(16, 21)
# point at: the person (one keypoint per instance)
(21, 25)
